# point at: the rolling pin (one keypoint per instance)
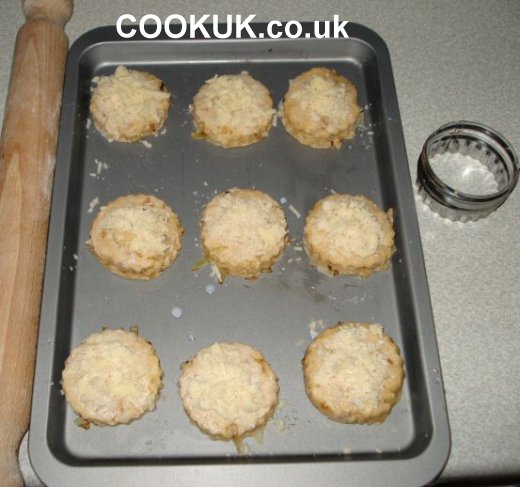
(27, 157)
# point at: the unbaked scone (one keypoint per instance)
(228, 390)
(136, 236)
(243, 232)
(113, 377)
(232, 110)
(354, 373)
(320, 108)
(349, 235)
(129, 105)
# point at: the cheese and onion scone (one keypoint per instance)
(113, 377)
(129, 105)
(349, 235)
(232, 110)
(354, 373)
(320, 108)
(228, 390)
(136, 236)
(243, 232)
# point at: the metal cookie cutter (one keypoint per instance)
(447, 179)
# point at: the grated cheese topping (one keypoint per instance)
(324, 100)
(241, 227)
(112, 377)
(228, 385)
(143, 229)
(353, 363)
(232, 107)
(320, 108)
(348, 227)
(129, 104)
(136, 236)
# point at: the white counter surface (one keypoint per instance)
(452, 60)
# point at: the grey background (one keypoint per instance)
(451, 60)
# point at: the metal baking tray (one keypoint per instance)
(278, 313)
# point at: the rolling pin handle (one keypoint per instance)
(55, 11)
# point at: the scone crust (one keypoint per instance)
(232, 110)
(136, 236)
(111, 378)
(320, 108)
(228, 390)
(353, 373)
(243, 232)
(349, 235)
(129, 105)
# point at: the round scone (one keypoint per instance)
(349, 235)
(232, 110)
(320, 108)
(111, 378)
(243, 232)
(129, 105)
(136, 236)
(354, 373)
(228, 390)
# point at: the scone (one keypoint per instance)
(136, 236)
(349, 235)
(243, 232)
(129, 105)
(111, 378)
(228, 390)
(353, 373)
(232, 110)
(320, 108)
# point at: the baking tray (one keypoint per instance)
(278, 314)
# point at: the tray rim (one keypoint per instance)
(382, 471)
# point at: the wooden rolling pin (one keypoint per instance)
(27, 156)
